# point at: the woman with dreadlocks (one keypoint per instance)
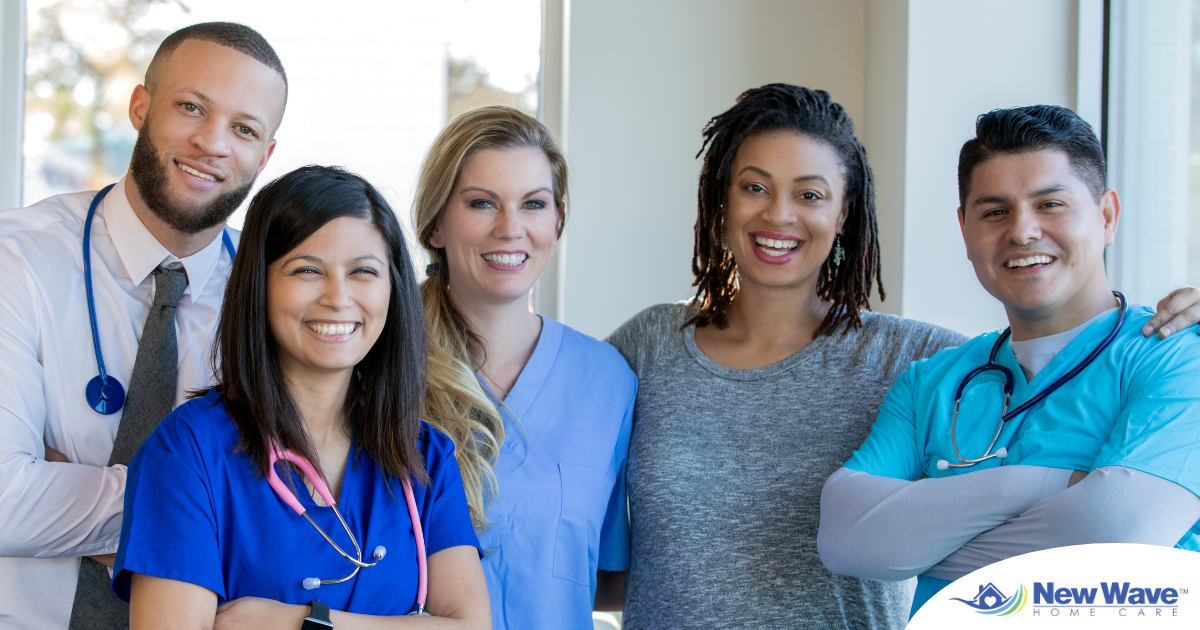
(757, 390)
(754, 392)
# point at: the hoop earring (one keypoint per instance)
(838, 252)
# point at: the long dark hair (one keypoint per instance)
(384, 401)
(811, 113)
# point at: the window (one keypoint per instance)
(371, 83)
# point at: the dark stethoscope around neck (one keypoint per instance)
(104, 393)
(1005, 414)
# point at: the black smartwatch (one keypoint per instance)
(318, 619)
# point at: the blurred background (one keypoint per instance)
(627, 85)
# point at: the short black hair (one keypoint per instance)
(811, 113)
(1034, 128)
(239, 37)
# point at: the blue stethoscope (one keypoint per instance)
(104, 393)
(1006, 415)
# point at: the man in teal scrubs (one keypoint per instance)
(1112, 455)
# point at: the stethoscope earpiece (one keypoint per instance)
(379, 553)
(311, 583)
(943, 464)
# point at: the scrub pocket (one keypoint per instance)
(1056, 449)
(577, 543)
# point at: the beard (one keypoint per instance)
(152, 177)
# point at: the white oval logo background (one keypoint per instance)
(1085, 586)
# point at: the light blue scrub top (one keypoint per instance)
(1137, 406)
(561, 510)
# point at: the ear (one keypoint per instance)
(139, 106)
(844, 215)
(265, 156)
(962, 228)
(435, 237)
(1110, 207)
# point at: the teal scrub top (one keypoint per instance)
(560, 513)
(1137, 406)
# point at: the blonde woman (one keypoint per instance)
(548, 500)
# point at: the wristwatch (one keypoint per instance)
(318, 619)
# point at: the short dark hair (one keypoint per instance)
(811, 113)
(384, 401)
(239, 37)
(1034, 128)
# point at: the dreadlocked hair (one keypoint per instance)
(812, 113)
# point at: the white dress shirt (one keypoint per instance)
(53, 513)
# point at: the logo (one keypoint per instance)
(990, 601)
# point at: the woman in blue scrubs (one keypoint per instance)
(321, 351)
(540, 413)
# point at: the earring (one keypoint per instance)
(837, 250)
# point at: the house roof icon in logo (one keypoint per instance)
(988, 598)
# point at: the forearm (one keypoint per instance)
(892, 529)
(1111, 505)
(610, 591)
(55, 510)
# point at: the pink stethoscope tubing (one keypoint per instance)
(318, 484)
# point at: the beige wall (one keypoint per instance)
(644, 77)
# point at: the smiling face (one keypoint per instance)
(1035, 233)
(327, 299)
(204, 134)
(785, 207)
(499, 225)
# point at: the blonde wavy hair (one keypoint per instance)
(455, 402)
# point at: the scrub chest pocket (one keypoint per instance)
(585, 494)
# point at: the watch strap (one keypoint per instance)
(318, 619)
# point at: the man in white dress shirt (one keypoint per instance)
(206, 117)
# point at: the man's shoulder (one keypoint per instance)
(68, 210)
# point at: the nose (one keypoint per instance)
(779, 212)
(212, 138)
(337, 294)
(1025, 226)
(509, 225)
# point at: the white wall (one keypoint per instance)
(12, 100)
(644, 77)
(964, 59)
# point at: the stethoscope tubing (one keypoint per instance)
(1005, 414)
(108, 395)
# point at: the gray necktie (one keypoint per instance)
(151, 397)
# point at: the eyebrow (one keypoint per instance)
(317, 260)
(494, 195)
(802, 178)
(200, 96)
(1049, 190)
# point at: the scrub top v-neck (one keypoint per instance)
(559, 514)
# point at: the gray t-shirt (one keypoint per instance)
(725, 473)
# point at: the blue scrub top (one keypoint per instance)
(198, 512)
(1137, 406)
(561, 510)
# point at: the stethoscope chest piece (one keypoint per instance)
(105, 395)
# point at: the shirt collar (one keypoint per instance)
(141, 253)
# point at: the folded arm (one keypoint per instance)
(1111, 505)
(891, 529)
(48, 509)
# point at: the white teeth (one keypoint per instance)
(196, 173)
(508, 260)
(330, 330)
(1026, 262)
(776, 244)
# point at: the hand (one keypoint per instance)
(55, 456)
(1076, 477)
(255, 612)
(1180, 309)
(107, 559)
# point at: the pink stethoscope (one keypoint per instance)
(318, 484)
